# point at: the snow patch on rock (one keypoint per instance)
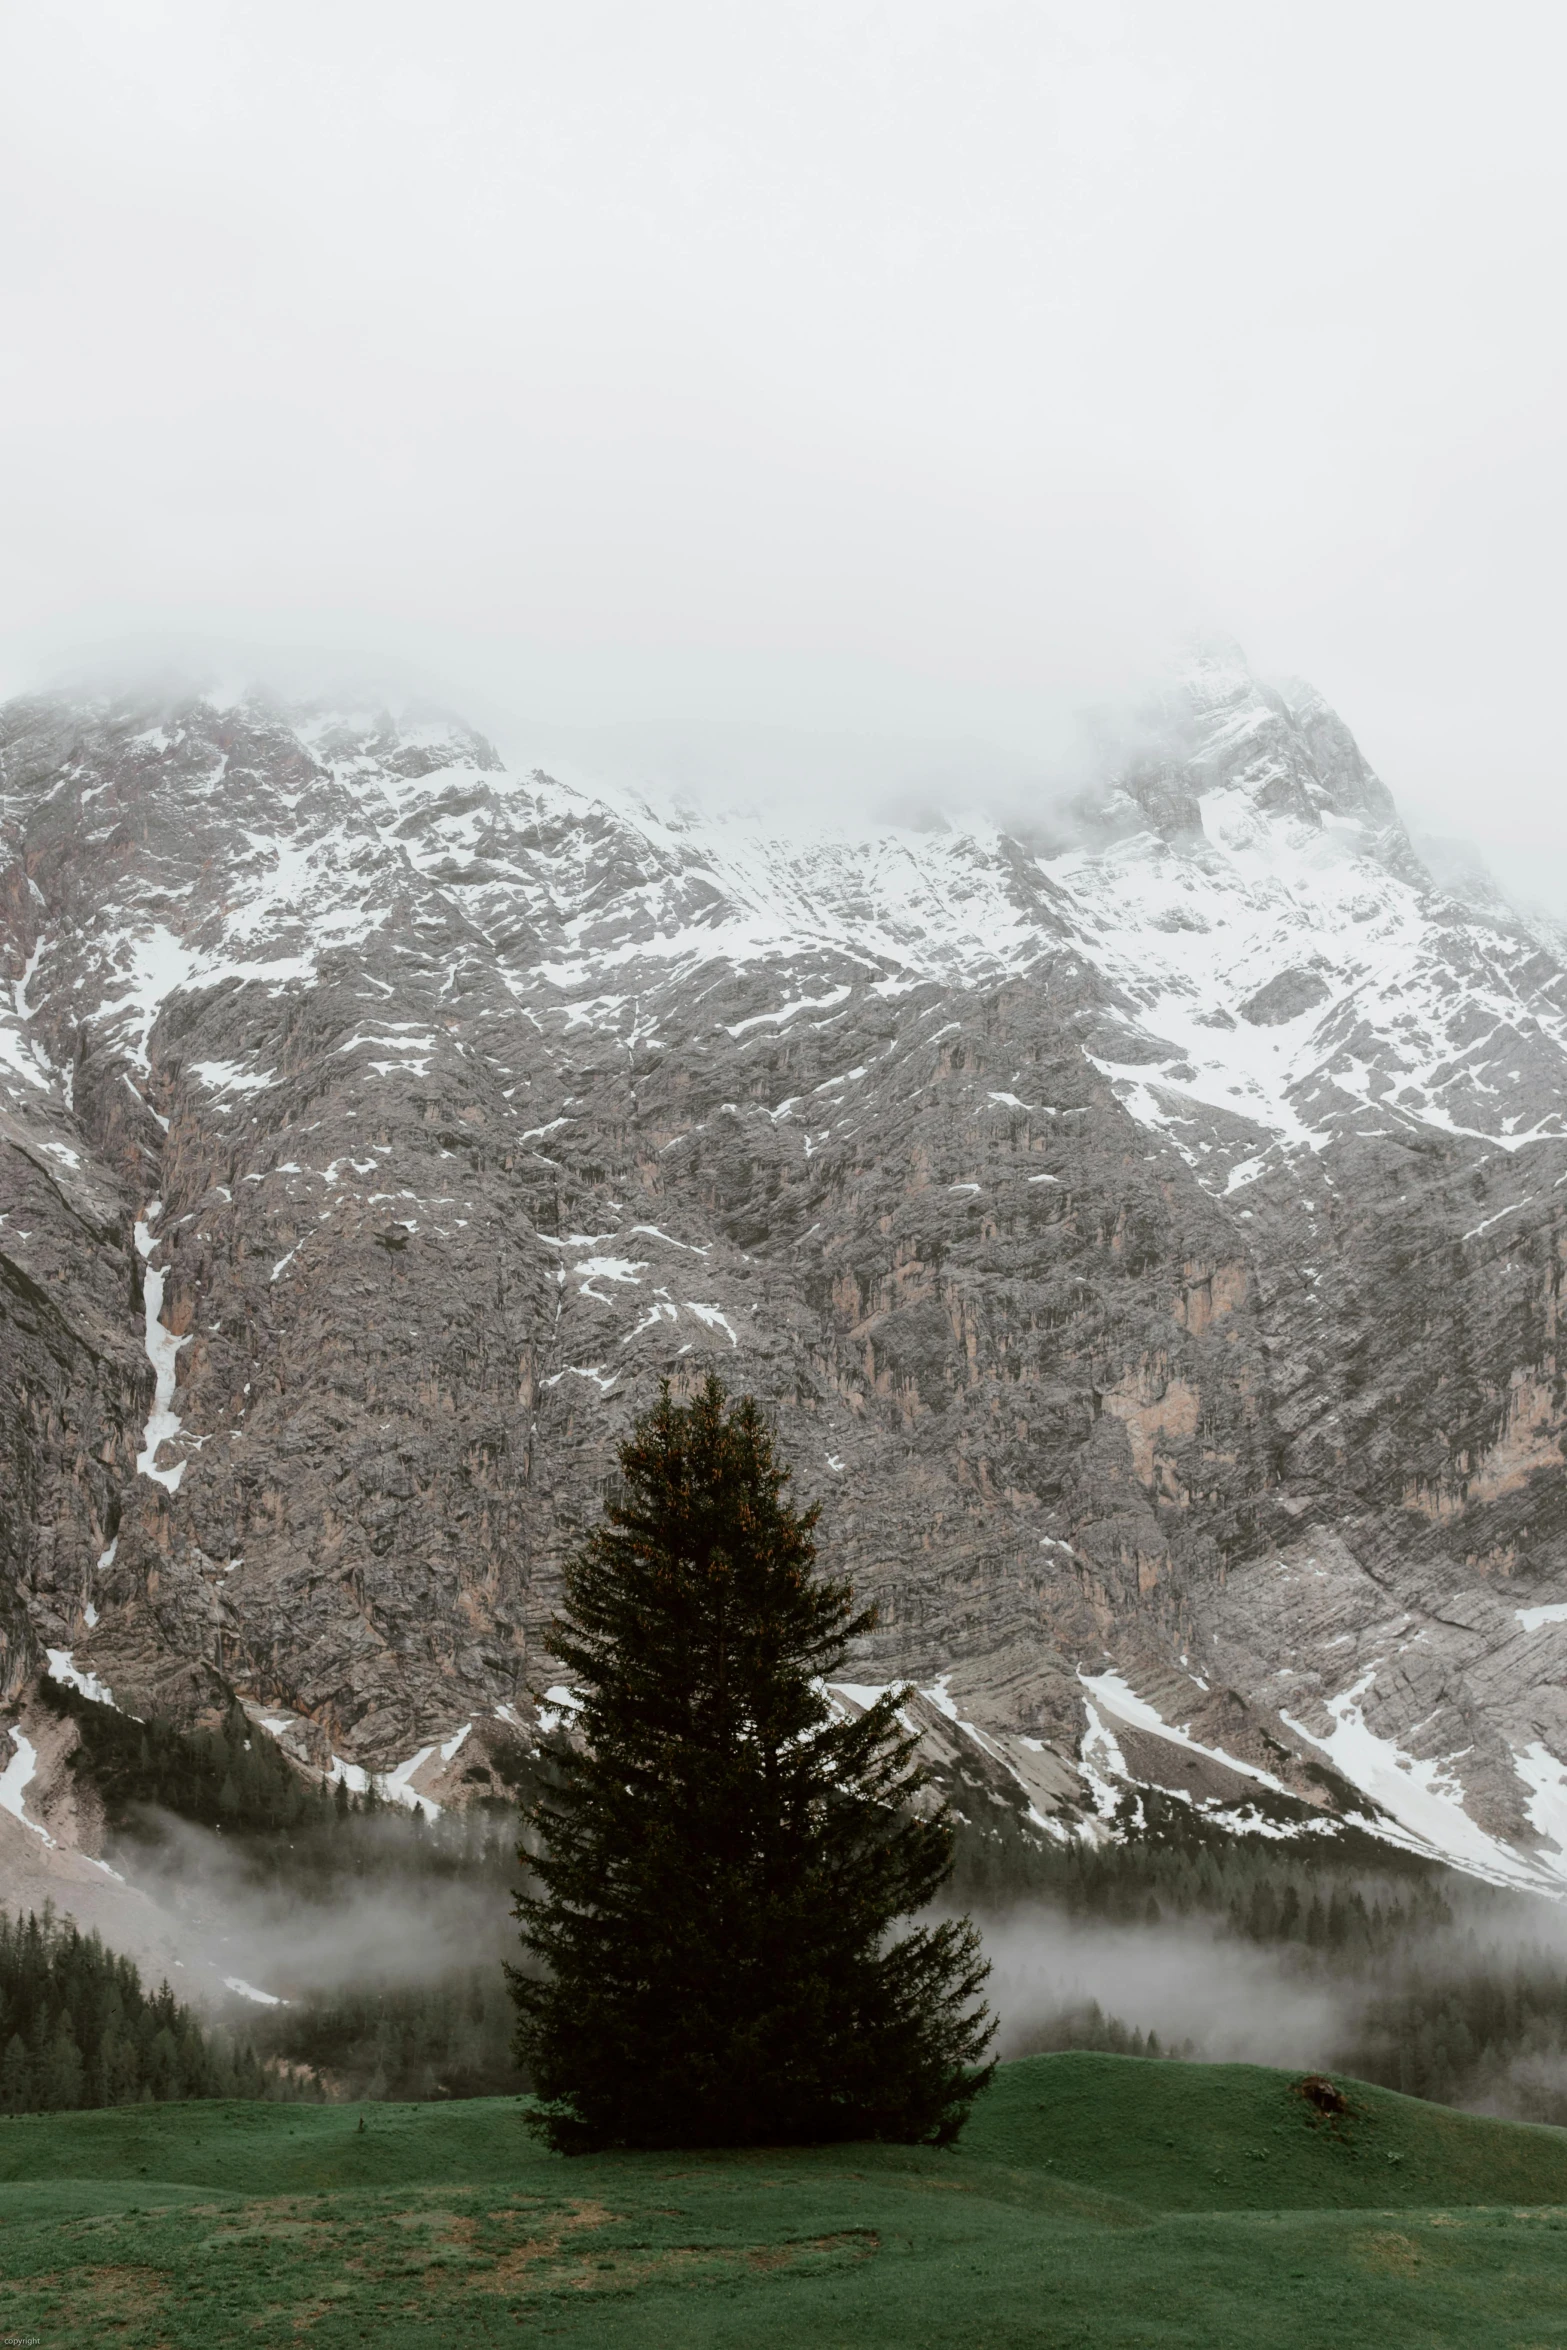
(163, 1423)
(15, 1780)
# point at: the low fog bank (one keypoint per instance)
(1226, 2000)
(395, 1920)
(1468, 2011)
(363, 1963)
(375, 1941)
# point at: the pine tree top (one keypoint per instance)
(695, 1611)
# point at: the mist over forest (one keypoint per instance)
(379, 1935)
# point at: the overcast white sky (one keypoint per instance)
(903, 367)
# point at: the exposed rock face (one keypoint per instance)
(1152, 1250)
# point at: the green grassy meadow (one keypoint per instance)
(1094, 2201)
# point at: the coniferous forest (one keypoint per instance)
(77, 2029)
(285, 1831)
(448, 2037)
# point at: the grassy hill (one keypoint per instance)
(1094, 2201)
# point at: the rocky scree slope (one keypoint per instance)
(1149, 1234)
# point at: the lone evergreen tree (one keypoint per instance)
(721, 1858)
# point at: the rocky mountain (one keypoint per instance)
(1148, 1228)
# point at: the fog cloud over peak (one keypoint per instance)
(782, 368)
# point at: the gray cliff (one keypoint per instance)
(1150, 1245)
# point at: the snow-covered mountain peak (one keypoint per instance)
(1257, 957)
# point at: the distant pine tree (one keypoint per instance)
(722, 1859)
(15, 2077)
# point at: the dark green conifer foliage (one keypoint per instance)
(76, 2028)
(721, 1858)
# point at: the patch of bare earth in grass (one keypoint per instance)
(614, 2271)
(1387, 2254)
(463, 2261)
(89, 2301)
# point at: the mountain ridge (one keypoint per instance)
(380, 1125)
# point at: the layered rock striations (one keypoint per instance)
(1149, 1239)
